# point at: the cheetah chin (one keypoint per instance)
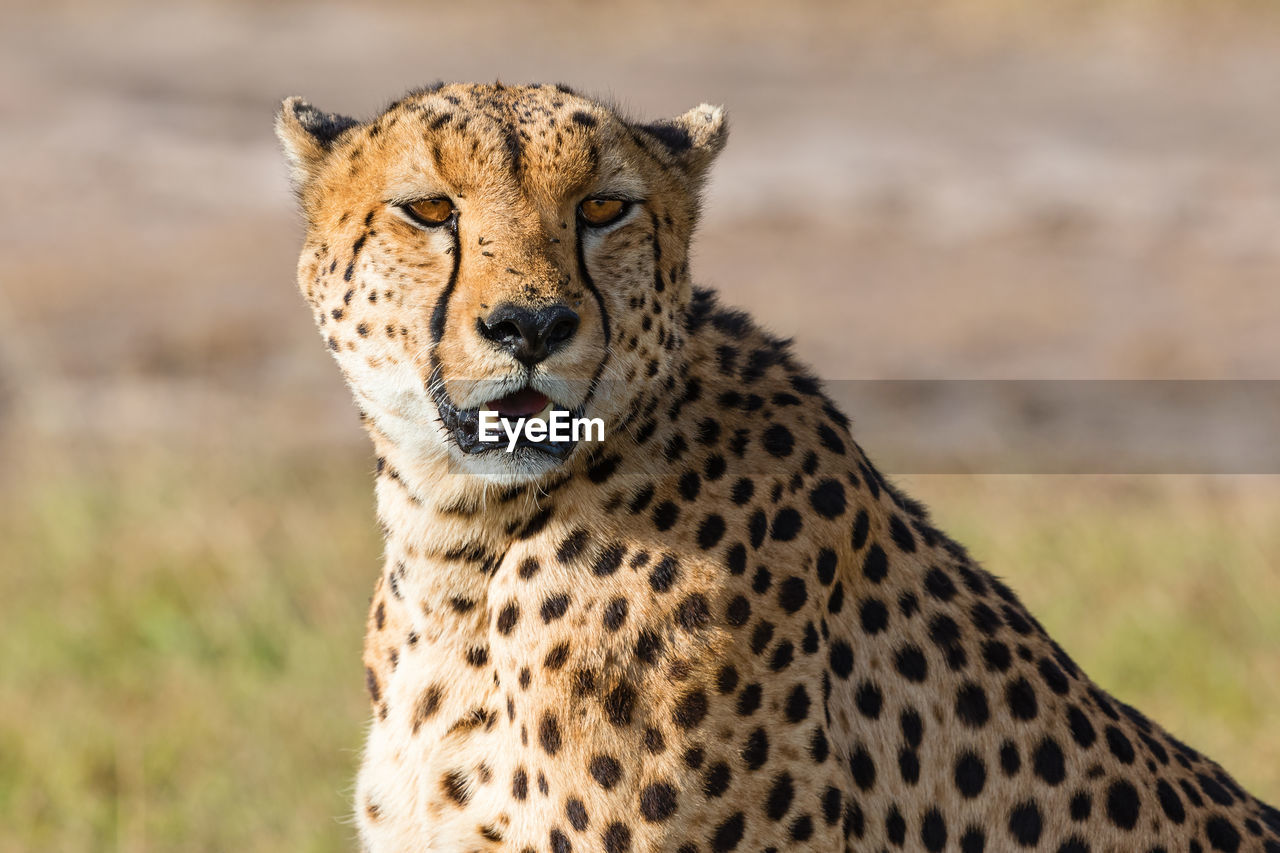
(463, 425)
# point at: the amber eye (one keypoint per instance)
(430, 211)
(602, 211)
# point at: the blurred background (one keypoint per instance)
(985, 190)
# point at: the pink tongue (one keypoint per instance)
(520, 404)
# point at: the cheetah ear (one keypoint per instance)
(693, 139)
(307, 135)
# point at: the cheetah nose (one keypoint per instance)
(531, 335)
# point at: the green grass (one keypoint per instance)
(180, 637)
(181, 647)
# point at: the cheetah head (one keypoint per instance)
(509, 249)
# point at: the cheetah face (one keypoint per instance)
(488, 248)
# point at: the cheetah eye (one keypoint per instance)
(598, 212)
(430, 212)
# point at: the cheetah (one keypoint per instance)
(718, 629)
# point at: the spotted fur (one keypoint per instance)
(719, 630)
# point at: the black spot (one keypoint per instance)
(873, 615)
(1053, 677)
(576, 812)
(665, 515)
(1081, 806)
(786, 525)
(912, 727)
(970, 775)
(1119, 745)
(792, 594)
(984, 618)
(757, 526)
(841, 659)
(782, 656)
(608, 561)
(619, 703)
(657, 802)
(605, 769)
(716, 780)
(1048, 762)
(1010, 760)
(520, 784)
(971, 705)
(737, 611)
(554, 606)
(1170, 802)
(797, 707)
(911, 663)
(1123, 804)
(728, 834)
(869, 700)
(549, 734)
(801, 828)
(895, 826)
(736, 559)
(710, 532)
(727, 679)
(1082, 731)
(761, 636)
(933, 831)
(1213, 790)
(583, 118)
(693, 612)
(690, 710)
(1021, 698)
(876, 564)
(573, 546)
(830, 439)
(863, 768)
(995, 655)
(939, 585)
(749, 700)
(616, 838)
(778, 441)
(1222, 835)
(756, 751)
(819, 748)
(827, 498)
(1025, 824)
(778, 801)
(902, 536)
(648, 647)
(507, 617)
(826, 566)
(742, 491)
(974, 840)
(909, 765)
(690, 485)
(664, 573)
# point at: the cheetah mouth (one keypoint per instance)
(465, 427)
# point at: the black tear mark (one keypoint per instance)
(440, 312)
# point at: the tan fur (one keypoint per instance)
(719, 630)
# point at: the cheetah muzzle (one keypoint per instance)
(718, 629)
